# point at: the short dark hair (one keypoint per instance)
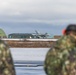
(71, 28)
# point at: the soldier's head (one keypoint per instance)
(70, 29)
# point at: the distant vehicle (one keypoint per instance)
(36, 35)
(41, 35)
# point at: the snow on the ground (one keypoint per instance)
(29, 54)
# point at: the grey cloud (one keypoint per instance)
(37, 10)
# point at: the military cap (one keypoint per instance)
(71, 27)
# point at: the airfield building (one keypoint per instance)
(28, 35)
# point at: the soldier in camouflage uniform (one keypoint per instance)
(6, 61)
(61, 59)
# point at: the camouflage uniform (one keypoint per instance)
(6, 62)
(61, 59)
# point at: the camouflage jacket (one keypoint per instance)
(6, 61)
(61, 59)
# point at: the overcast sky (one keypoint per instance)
(24, 16)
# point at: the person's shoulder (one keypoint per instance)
(3, 43)
(63, 39)
(59, 41)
